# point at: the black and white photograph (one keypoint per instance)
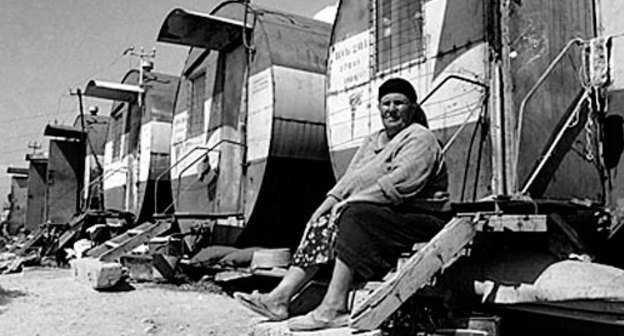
(312, 168)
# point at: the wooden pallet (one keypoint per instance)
(114, 248)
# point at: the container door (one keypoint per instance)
(539, 31)
(65, 176)
(35, 204)
(224, 130)
(18, 197)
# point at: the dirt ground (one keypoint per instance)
(50, 302)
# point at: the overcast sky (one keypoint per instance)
(49, 47)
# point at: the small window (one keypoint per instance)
(117, 131)
(398, 32)
(196, 113)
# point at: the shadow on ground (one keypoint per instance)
(7, 295)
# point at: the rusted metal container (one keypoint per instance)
(18, 195)
(610, 24)
(248, 141)
(137, 143)
(471, 67)
(37, 181)
(65, 173)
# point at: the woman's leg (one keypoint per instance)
(274, 305)
(295, 278)
(335, 301)
(332, 312)
(316, 248)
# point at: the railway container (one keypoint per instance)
(248, 145)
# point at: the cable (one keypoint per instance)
(6, 121)
(102, 69)
(15, 150)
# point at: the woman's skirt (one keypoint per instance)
(367, 237)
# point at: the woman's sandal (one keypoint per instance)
(311, 322)
(252, 301)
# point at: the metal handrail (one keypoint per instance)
(523, 103)
(446, 79)
(161, 175)
(196, 160)
(101, 178)
(574, 115)
(437, 87)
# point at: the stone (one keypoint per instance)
(95, 273)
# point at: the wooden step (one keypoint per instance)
(114, 248)
(441, 251)
(111, 244)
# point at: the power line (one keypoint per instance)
(15, 150)
(22, 135)
(35, 116)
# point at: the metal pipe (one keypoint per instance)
(196, 160)
(556, 141)
(442, 83)
(446, 79)
(161, 175)
(523, 103)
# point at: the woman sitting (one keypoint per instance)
(393, 194)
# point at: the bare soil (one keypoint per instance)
(49, 301)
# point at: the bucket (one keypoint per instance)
(270, 258)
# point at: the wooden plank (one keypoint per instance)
(516, 223)
(74, 227)
(16, 264)
(135, 241)
(32, 241)
(417, 272)
(99, 250)
(111, 244)
(134, 231)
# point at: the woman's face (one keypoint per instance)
(397, 112)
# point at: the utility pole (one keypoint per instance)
(146, 63)
(78, 93)
(34, 145)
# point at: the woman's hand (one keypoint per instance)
(336, 208)
(324, 208)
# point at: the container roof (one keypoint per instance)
(36, 157)
(291, 40)
(17, 171)
(112, 91)
(200, 30)
(64, 131)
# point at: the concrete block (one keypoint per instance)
(95, 273)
